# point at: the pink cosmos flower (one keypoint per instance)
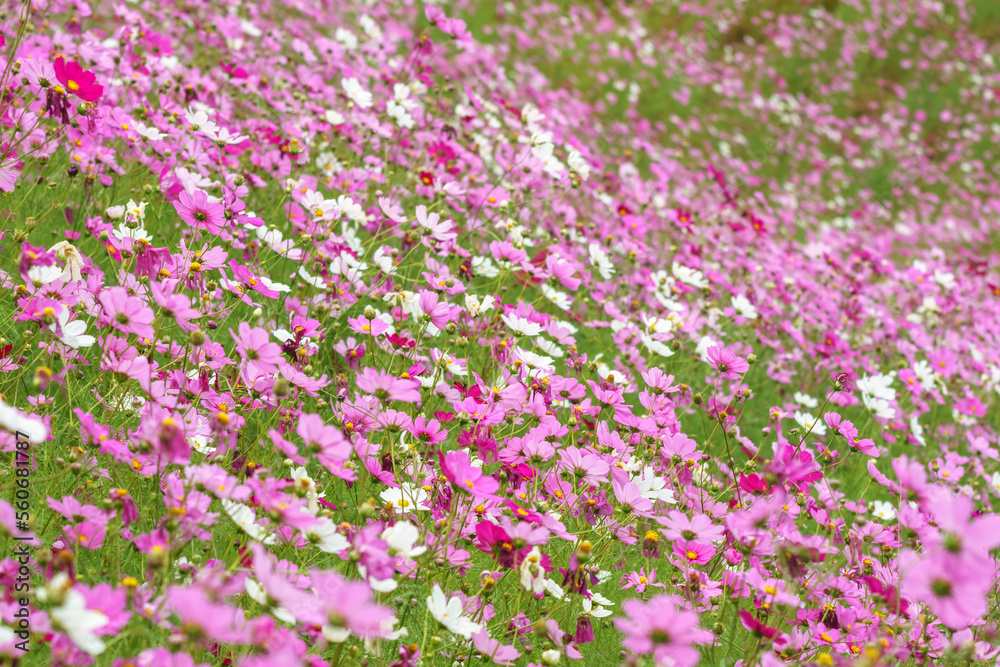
(968, 539)
(197, 211)
(499, 654)
(175, 305)
(954, 592)
(727, 363)
(631, 499)
(255, 345)
(323, 439)
(388, 387)
(640, 580)
(585, 466)
(678, 526)
(563, 272)
(458, 468)
(693, 553)
(660, 628)
(127, 313)
(362, 325)
(201, 618)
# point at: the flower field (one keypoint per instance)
(553, 333)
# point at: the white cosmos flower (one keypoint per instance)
(810, 423)
(15, 421)
(995, 483)
(652, 487)
(578, 163)
(72, 332)
(922, 369)
(549, 348)
(79, 623)
(356, 93)
(198, 120)
(402, 539)
(315, 281)
(352, 210)
(150, 133)
(271, 285)
(878, 386)
(883, 510)
(551, 656)
(532, 574)
(878, 406)
(385, 260)
(537, 361)
(347, 38)
(406, 498)
(43, 275)
(477, 307)
(557, 297)
(245, 518)
(326, 537)
(744, 308)
(599, 259)
(448, 612)
(692, 277)
(257, 593)
(596, 612)
(378, 585)
(805, 400)
(917, 430)
(484, 266)
(655, 346)
(521, 326)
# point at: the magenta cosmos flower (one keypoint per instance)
(77, 81)
(127, 313)
(198, 212)
(458, 468)
(662, 629)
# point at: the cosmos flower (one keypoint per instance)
(77, 81)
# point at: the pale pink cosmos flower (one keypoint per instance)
(387, 387)
(500, 654)
(662, 629)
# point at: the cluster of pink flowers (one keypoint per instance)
(343, 334)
